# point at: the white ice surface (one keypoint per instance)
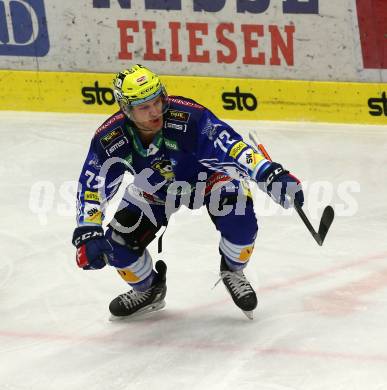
(322, 314)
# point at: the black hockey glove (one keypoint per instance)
(282, 187)
(91, 247)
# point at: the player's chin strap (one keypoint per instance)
(327, 215)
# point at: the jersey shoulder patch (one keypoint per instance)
(114, 121)
(180, 101)
(183, 114)
(181, 122)
(111, 139)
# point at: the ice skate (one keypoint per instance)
(239, 288)
(134, 303)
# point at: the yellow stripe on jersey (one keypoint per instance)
(250, 159)
(94, 196)
(96, 217)
(236, 149)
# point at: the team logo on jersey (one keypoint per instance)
(176, 115)
(164, 167)
(94, 162)
(110, 137)
(210, 129)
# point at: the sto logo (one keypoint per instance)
(23, 28)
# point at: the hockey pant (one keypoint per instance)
(132, 230)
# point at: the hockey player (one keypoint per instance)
(178, 152)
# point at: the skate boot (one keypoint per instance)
(239, 288)
(135, 302)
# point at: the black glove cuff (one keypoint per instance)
(271, 175)
(83, 234)
(275, 171)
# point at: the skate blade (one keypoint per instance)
(145, 310)
(249, 314)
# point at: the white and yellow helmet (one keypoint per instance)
(137, 85)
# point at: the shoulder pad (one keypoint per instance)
(114, 121)
(181, 122)
(110, 137)
(182, 114)
(183, 102)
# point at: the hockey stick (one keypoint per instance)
(325, 222)
(327, 216)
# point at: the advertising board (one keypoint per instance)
(229, 98)
(318, 40)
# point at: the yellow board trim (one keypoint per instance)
(279, 100)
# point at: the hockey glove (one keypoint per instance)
(91, 247)
(282, 187)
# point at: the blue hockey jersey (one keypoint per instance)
(192, 144)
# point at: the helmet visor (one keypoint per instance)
(127, 107)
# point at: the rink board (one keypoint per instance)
(244, 99)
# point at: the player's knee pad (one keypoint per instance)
(133, 230)
(123, 254)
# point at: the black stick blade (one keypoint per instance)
(326, 222)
